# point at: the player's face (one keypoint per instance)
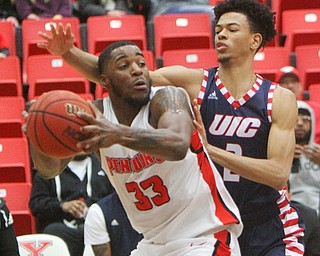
(128, 76)
(233, 39)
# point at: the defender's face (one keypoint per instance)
(233, 38)
(128, 75)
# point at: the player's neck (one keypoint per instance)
(125, 113)
(237, 79)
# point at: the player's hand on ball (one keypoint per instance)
(101, 133)
(25, 116)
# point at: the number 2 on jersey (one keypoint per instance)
(144, 202)
(227, 174)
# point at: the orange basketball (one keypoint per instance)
(52, 124)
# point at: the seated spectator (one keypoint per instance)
(288, 77)
(60, 204)
(89, 8)
(108, 230)
(37, 9)
(4, 48)
(8, 241)
(305, 173)
(159, 7)
(163, 6)
(8, 12)
(309, 218)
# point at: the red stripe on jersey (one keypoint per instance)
(292, 231)
(203, 86)
(222, 212)
(270, 98)
(222, 247)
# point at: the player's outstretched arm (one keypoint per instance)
(273, 171)
(60, 41)
(170, 115)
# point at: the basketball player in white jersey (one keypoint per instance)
(155, 159)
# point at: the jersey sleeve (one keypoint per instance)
(95, 229)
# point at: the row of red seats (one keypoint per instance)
(55, 73)
(15, 177)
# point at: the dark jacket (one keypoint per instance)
(7, 9)
(44, 202)
(89, 8)
(43, 9)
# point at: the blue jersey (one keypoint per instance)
(123, 238)
(241, 127)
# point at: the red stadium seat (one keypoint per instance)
(182, 31)
(8, 30)
(14, 160)
(301, 27)
(10, 76)
(30, 37)
(314, 92)
(104, 30)
(279, 6)
(17, 197)
(269, 60)
(308, 64)
(55, 74)
(191, 58)
(10, 116)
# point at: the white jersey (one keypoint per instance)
(169, 200)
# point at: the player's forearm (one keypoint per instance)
(85, 63)
(160, 143)
(264, 171)
(46, 166)
(102, 249)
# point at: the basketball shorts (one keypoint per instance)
(201, 246)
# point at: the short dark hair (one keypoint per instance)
(260, 17)
(106, 53)
(304, 112)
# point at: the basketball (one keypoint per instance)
(52, 124)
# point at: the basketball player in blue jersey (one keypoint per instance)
(249, 121)
(154, 158)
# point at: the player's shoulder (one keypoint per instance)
(284, 105)
(168, 92)
(284, 97)
(95, 212)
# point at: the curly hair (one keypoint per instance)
(261, 19)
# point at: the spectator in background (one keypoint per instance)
(309, 218)
(60, 204)
(159, 7)
(288, 77)
(8, 12)
(37, 9)
(8, 240)
(305, 174)
(4, 48)
(108, 230)
(89, 8)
